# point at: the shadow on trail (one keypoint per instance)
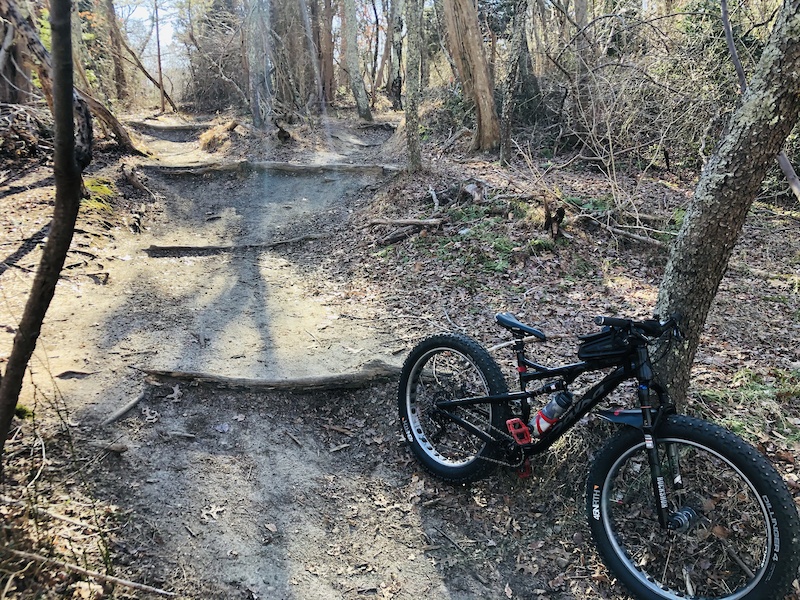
(231, 486)
(25, 248)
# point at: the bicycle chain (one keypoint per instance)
(508, 438)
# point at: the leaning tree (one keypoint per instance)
(69, 160)
(726, 190)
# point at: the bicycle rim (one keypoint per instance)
(722, 553)
(446, 374)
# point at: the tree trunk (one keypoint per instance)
(394, 84)
(783, 160)
(466, 47)
(413, 55)
(351, 58)
(727, 188)
(512, 81)
(67, 171)
(116, 51)
(33, 44)
(327, 51)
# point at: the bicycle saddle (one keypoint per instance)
(518, 329)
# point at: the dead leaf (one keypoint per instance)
(721, 532)
(176, 394)
(212, 512)
(508, 591)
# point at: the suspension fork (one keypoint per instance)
(645, 376)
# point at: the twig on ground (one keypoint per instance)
(121, 411)
(294, 439)
(402, 222)
(451, 540)
(88, 573)
(39, 510)
(622, 232)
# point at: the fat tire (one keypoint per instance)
(767, 492)
(420, 428)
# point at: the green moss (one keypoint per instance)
(100, 191)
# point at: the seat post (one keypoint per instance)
(519, 350)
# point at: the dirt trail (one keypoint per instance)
(234, 494)
(254, 313)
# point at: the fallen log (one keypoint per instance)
(170, 127)
(375, 371)
(160, 251)
(246, 166)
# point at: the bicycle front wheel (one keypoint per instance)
(738, 530)
(452, 367)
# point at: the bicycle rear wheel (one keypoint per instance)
(740, 527)
(449, 367)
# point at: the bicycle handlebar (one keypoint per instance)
(650, 327)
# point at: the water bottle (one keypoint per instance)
(550, 413)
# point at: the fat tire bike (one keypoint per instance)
(678, 507)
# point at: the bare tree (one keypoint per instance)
(120, 81)
(726, 190)
(67, 167)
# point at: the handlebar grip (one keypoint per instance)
(613, 322)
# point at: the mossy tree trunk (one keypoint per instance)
(727, 188)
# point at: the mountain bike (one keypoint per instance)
(678, 507)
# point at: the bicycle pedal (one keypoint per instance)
(519, 431)
(524, 470)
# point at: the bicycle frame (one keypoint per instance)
(636, 365)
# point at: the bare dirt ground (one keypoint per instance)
(208, 492)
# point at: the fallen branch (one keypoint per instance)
(87, 572)
(454, 138)
(406, 222)
(129, 171)
(372, 372)
(398, 235)
(378, 125)
(157, 251)
(166, 127)
(623, 232)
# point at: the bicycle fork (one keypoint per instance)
(683, 516)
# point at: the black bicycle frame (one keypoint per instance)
(635, 365)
